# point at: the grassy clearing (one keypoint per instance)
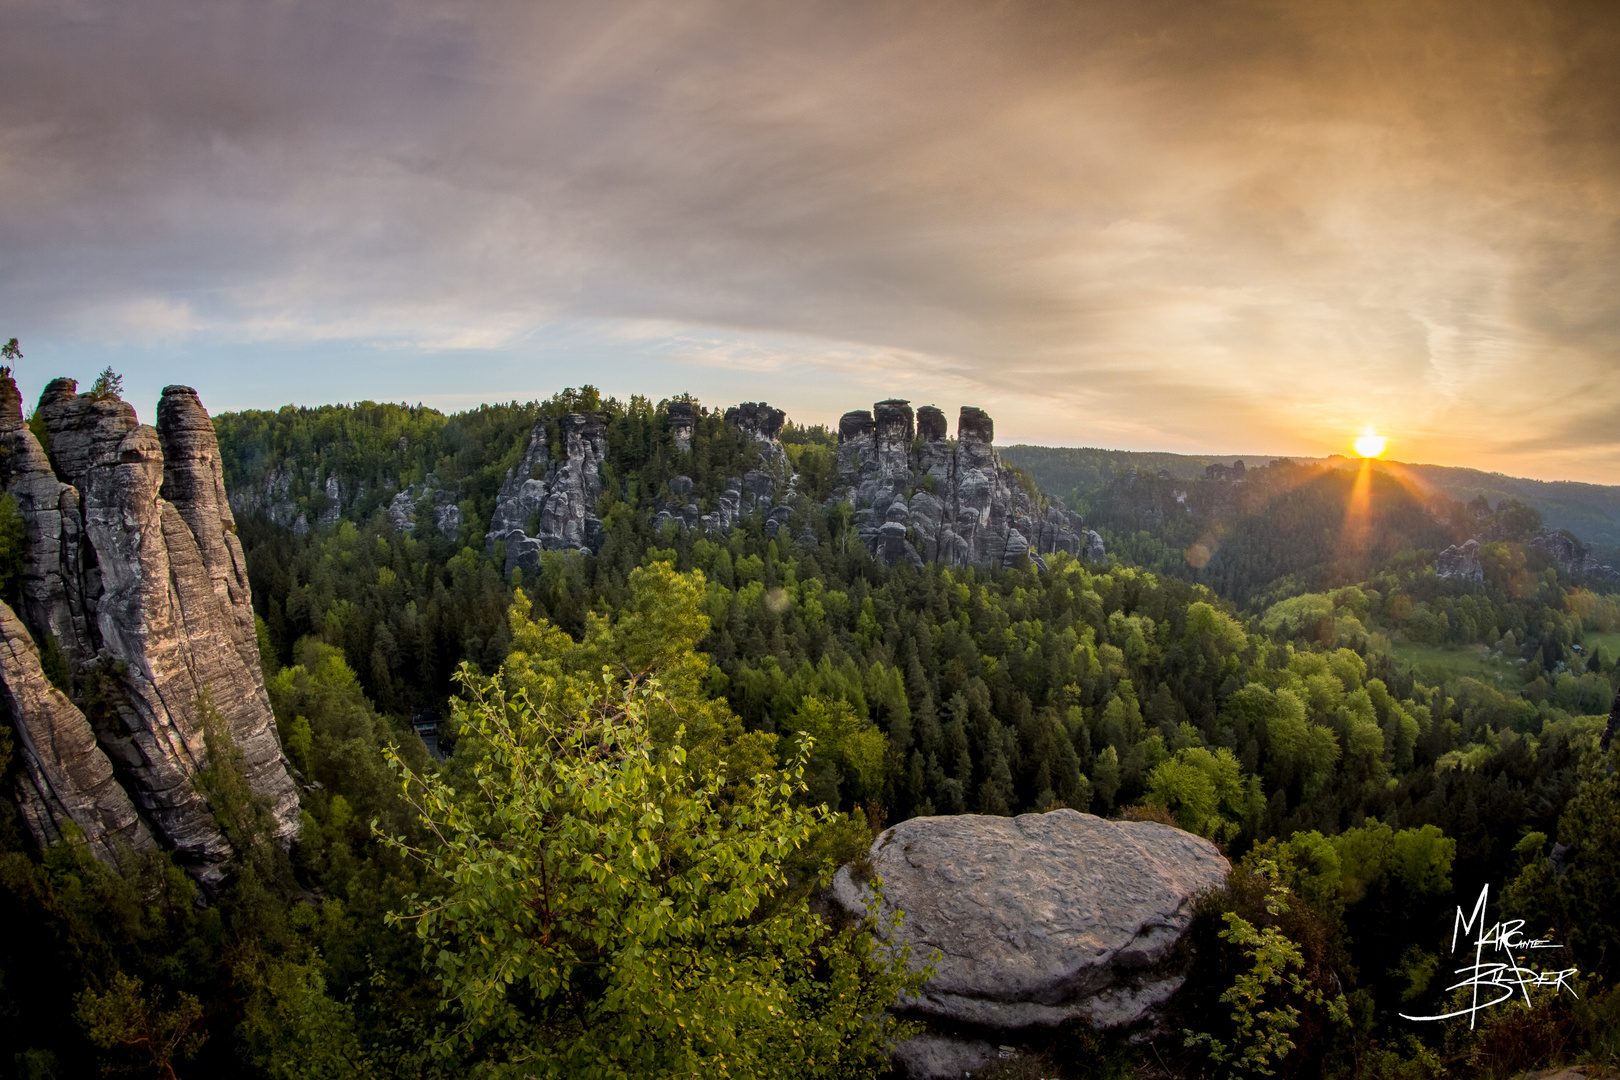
(1593, 639)
(1441, 664)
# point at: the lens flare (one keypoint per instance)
(1371, 446)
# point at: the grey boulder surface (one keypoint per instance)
(1034, 920)
(133, 572)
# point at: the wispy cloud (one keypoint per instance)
(1177, 225)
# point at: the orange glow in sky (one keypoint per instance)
(1371, 446)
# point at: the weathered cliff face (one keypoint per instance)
(966, 508)
(1572, 557)
(1033, 921)
(557, 499)
(1461, 562)
(682, 423)
(66, 778)
(134, 572)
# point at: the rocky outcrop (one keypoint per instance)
(1461, 562)
(758, 420)
(426, 501)
(66, 779)
(136, 576)
(273, 499)
(918, 496)
(557, 499)
(682, 424)
(964, 506)
(1033, 921)
(1571, 556)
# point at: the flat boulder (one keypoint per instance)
(1038, 919)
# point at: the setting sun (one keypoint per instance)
(1371, 446)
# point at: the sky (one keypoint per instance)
(1210, 226)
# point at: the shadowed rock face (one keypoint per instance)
(1036, 920)
(931, 423)
(682, 423)
(135, 572)
(65, 777)
(758, 419)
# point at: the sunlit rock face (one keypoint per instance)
(1031, 922)
(919, 497)
(134, 575)
(549, 504)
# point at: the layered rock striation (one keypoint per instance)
(133, 575)
(546, 504)
(1033, 921)
(920, 497)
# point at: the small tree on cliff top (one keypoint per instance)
(108, 386)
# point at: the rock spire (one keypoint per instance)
(134, 575)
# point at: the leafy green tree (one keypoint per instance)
(851, 745)
(1267, 995)
(1205, 791)
(124, 1018)
(606, 910)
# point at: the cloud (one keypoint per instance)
(1179, 225)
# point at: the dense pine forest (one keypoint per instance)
(1273, 664)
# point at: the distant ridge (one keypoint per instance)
(1590, 511)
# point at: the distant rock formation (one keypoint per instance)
(964, 506)
(425, 500)
(1033, 921)
(1571, 556)
(682, 423)
(555, 499)
(761, 422)
(134, 575)
(916, 499)
(1461, 563)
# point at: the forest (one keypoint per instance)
(1237, 666)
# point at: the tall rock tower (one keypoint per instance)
(134, 577)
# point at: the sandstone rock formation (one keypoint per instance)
(134, 573)
(1571, 556)
(1035, 920)
(425, 500)
(1461, 562)
(555, 498)
(66, 778)
(682, 423)
(965, 507)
